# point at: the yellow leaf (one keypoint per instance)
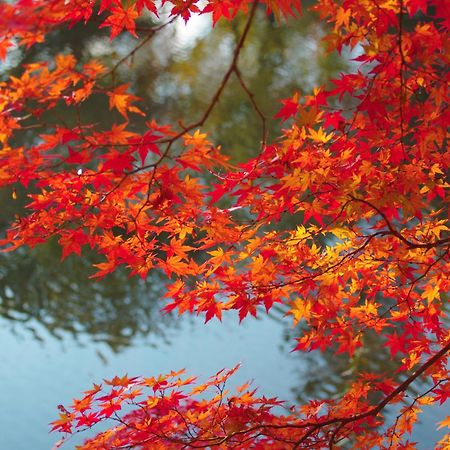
(444, 423)
(301, 309)
(152, 402)
(430, 292)
(121, 100)
(319, 135)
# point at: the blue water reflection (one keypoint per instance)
(37, 376)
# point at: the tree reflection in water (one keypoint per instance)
(34, 286)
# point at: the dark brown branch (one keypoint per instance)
(151, 32)
(257, 109)
(374, 411)
(232, 68)
(396, 233)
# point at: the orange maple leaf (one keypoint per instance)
(119, 99)
(121, 18)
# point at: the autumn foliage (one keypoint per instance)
(361, 167)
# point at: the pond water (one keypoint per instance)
(37, 375)
(61, 331)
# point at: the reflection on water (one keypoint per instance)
(61, 331)
(35, 287)
(176, 75)
(38, 376)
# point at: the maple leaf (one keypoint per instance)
(300, 309)
(284, 7)
(320, 135)
(146, 144)
(442, 394)
(214, 310)
(110, 408)
(118, 162)
(444, 423)
(105, 5)
(87, 420)
(343, 17)
(149, 4)
(63, 424)
(72, 242)
(121, 18)
(175, 264)
(183, 8)
(119, 99)
(289, 109)
(396, 344)
(333, 120)
(104, 268)
(219, 9)
(5, 44)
